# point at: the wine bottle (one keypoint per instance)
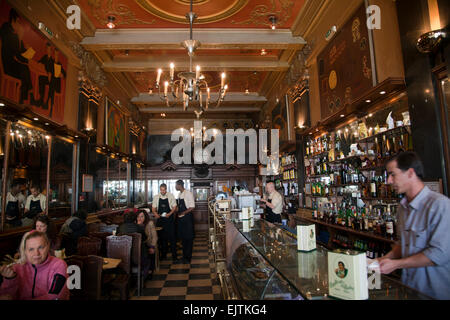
(373, 186)
(370, 220)
(366, 220)
(389, 223)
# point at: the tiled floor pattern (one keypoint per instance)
(194, 281)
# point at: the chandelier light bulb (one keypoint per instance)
(223, 79)
(197, 72)
(166, 86)
(172, 70)
(158, 77)
(110, 23)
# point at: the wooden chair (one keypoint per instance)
(119, 247)
(136, 258)
(102, 236)
(89, 246)
(77, 294)
(91, 277)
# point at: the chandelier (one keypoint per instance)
(190, 86)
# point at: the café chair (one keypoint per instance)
(102, 236)
(119, 247)
(77, 294)
(136, 258)
(89, 246)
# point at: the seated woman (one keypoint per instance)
(72, 229)
(43, 224)
(38, 275)
(152, 238)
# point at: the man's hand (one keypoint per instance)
(388, 265)
(7, 271)
(157, 215)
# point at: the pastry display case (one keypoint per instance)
(265, 264)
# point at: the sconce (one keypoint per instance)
(430, 41)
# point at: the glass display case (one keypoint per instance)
(265, 264)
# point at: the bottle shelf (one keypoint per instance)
(402, 129)
(316, 155)
(366, 234)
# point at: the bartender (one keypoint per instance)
(186, 205)
(164, 206)
(12, 205)
(273, 203)
(34, 205)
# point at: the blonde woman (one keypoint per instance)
(37, 275)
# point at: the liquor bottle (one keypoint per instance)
(307, 149)
(369, 219)
(381, 224)
(379, 161)
(324, 166)
(366, 220)
(389, 224)
(373, 186)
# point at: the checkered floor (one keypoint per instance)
(194, 281)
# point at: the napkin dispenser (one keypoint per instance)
(347, 275)
(306, 237)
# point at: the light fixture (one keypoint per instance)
(368, 101)
(47, 137)
(189, 87)
(47, 124)
(76, 136)
(247, 92)
(163, 115)
(370, 115)
(342, 115)
(35, 119)
(382, 92)
(273, 21)
(110, 23)
(430, 41)
(2, 104)
(263, 52)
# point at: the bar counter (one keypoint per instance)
(265, 264)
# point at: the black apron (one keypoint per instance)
(270, 216)
(168, 224)
(35, 209)
(185, 226)
(12, 213)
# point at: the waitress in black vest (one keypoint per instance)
(164, 206)
(185, 227)
(35, 203)
(273, 204)
(12, 205)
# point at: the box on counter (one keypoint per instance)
(306, 237)
(347, 275)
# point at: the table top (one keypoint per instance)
(111, 263)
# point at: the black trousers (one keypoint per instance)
(165, 246)
(187, 248)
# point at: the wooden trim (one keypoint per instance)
(5, 170)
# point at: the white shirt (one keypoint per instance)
(40, 197)
(277, 201)
(11, 198)
(188, 197)
(168, 195)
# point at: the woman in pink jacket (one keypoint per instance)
(38, 275)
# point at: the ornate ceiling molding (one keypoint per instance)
(89, 65)
(231, 10)
(101, 9)
(261, 13)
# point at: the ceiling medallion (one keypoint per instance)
(196, 2)
(275, 16)
(230, 10)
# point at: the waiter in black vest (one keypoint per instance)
(185, 228)
(34, 205)
(164, 206)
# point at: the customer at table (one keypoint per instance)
(143, 219)
(273, 203)
(42, 223)
(164, 206)
(38, 275)
(185, 227)
(423, 248)
(72, 229)
(12, 205)
(34, 205)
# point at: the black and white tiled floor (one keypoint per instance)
(194, 281)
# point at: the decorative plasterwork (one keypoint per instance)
(224, 14)
(282, 9)
(124, 15)
(90, 67)
(298, 70)
(168, 166)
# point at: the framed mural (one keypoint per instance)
(115, 126)
(345, 68)
(32, 70)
